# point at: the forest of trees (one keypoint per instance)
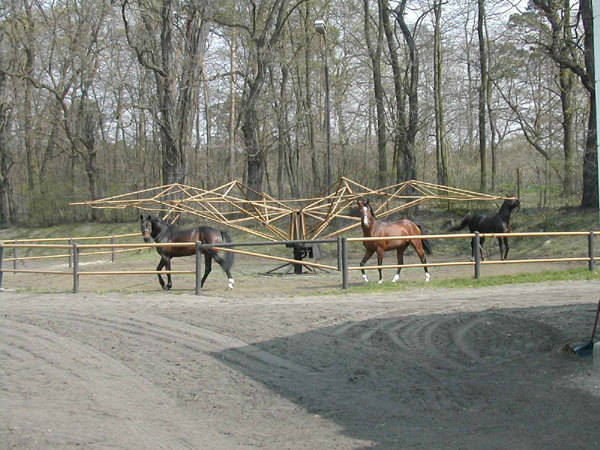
(102, 97)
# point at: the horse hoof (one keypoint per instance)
(427, 278)
(231, 281)
(165, 288)
(365, 278)
(396, 278)
(380, 281)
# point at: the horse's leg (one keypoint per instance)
(400, 258)
(207, 268)
(418, 246)
(221, 262)
(368, 254)
(472, 249)
(168, 267)
(161, 264)
(505, 239)
(482, 252)
(379, 262)
(501, 247)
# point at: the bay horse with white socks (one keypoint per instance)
(157, 230)
(375, 228)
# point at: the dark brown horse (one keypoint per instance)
(496, 223)
(375, 228)
(157, 230)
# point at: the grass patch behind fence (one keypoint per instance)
(462, 283)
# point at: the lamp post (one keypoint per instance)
(320, 28)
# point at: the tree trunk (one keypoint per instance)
(589, 198)
(493, 134)
(400, 126)
(308, 113)
(441, 154)
(566, 101)
(6, 156)
(230, 161)
(282, 133)
(254, 152)
(208, 120)
(408, 155)
(375, 56)
(482, 95)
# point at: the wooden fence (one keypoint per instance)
(76, 250)
(71, 240)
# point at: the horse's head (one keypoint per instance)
(146, 227)
(366, 212)
(513, 203)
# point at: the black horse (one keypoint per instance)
(157, 230)
(498, 223)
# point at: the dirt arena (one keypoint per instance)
(265, 366)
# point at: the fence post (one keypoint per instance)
(71, 253)
(15, 256)
(75, 269)
(198, 267)
(112, 253)
(477, 254)
(344, 263)
(1, 261)
(591, 250)
(339, 253)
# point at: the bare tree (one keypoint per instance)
(565, 50)
(375, 51)
(263, 30)
(169, 39)
(483, 89)
(406, 161)
(441, 152)
(6, 155)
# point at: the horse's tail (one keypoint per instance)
(426, 242)
(229, 256)
(463, 224)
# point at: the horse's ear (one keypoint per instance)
(367, 202)
(141, 217)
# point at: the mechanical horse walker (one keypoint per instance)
(236, 205)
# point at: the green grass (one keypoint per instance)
(462, 283)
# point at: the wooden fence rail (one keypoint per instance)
(25, 243)
(75, 252)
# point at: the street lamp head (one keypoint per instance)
(320, 26)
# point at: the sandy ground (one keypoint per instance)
(267, 365)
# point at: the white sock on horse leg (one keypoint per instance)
(380, 281)
(365, 278)
(231, 281)
(427, 277)
(396, 278)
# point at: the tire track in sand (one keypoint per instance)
(195, 339)
(75, 374)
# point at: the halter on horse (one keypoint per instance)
(375, 228)
(157, 230)
(497, 223)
